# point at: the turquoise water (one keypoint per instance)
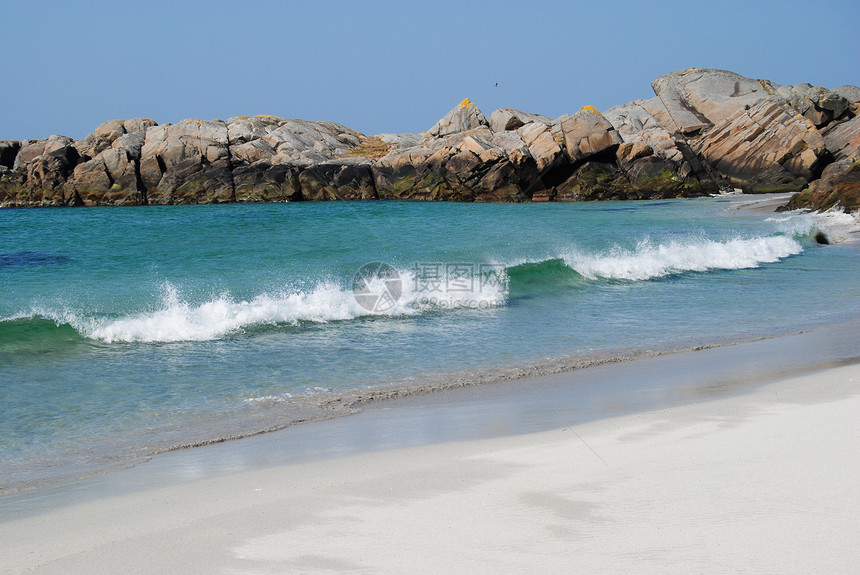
(127, 331)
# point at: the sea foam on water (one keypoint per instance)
(649, 260)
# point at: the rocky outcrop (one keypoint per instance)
(761, 136)
(463, 117)
(704, 130)
(838, 185)
(587, 133)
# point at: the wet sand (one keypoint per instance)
(744, 458)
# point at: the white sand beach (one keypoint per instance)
(760, 482)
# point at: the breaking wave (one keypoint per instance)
(650, 261)
(176, 319)
(837, 225)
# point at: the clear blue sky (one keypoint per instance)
(389, 66)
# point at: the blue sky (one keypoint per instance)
(389, 66)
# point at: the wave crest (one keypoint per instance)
(649, 261)
(177, 320)
(836, 224)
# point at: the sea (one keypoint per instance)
(126, 332)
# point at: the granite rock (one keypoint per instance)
(704, 130)
(462, 117)
(588, 133)
(506, 119)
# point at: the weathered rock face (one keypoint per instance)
(541, 145)
(704, 130)
(479, 165)
(839, 185)
(39, 171)
(348, 179)
(762, 136)
(506, 119)
(587, 133)
(465, 116)
(697, 99)
(764, 148)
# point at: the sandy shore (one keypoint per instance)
(762, 482)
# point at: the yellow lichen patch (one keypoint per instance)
(149, 120)
(465, 103)
(242, 117)
(373, 147)
(591, 109)
(265, 116)
(558, 137)
(765, 86)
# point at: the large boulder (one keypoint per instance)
(839, 185)
(279, 159)
(701, 97)
(187, 163)
(818, 105)
(594, 180)
(843, 139)
(412, 174)
(765, 148)
(39, 172)
(264, 181)
(762, 136)
(464, 116)
(112, 177)
(638, 126)
(475, 165)
(541, 144)
(100, 139)
(588, 133)
(304, 143)
(347, 179)
(507, 119)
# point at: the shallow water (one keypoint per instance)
(128, 331)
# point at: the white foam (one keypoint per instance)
(649, 261)
(268, 399)
(177, 320)
(837, 225)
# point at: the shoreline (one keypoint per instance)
(260, 413)
(327, 406)
(728, 472)
(501, 402)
